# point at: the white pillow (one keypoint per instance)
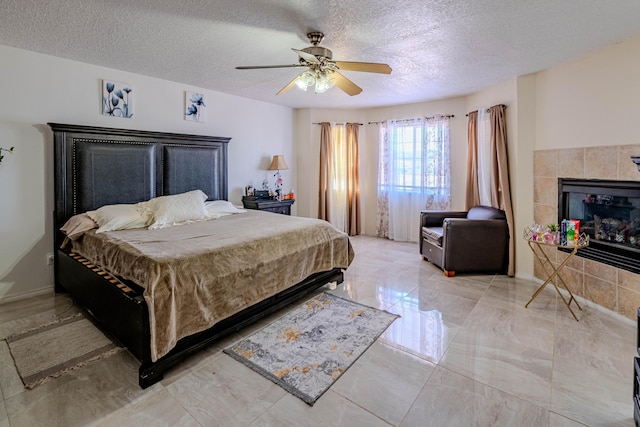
(118, 217)
(176, 209)
(218, 208)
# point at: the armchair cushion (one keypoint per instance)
(486, 212)
(433, 234)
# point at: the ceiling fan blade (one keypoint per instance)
(345, 84)
(257, 67)
(291, 84)
(367, 67)
(306, 56)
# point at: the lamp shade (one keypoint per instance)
(278, 163)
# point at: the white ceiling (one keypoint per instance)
(436, 48)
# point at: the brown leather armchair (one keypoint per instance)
(465, 241)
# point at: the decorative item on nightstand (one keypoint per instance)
(278, 164)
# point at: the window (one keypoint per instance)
(413, 174)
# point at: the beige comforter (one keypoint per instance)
(197, 274)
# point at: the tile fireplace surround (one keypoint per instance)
(610, 287)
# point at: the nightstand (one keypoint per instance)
(270, 205)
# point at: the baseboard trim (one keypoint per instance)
(12, 298)
(526, 276)
(583, 301)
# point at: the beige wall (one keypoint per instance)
(457, 152)
(554, 108)
(38, 89)
(591, 101)
(586, 111)
(519, 95)
(307, 139)
(308, 145)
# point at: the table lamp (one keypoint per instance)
(278, 164)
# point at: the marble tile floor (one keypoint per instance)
(464, 353)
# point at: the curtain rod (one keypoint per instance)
(410, 120)
(502, 105)
(339, 124)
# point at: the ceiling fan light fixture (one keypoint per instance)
(324, 82)
(306, 79)
(301, 84)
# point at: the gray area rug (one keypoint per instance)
(51, 350)
(307, 350)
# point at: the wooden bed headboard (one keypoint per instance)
(96, 166)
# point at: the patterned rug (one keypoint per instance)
(51, 350)
(308, 349)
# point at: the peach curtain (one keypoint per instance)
(501, 188)
(353, 180)
(340, 176)
(473, 194)
(325, 170)
(500, 184)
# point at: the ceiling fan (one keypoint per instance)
(322, 70)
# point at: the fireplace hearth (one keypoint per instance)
(609, 213)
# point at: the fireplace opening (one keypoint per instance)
(609, 213)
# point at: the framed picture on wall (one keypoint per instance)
(117, 99)
(195, 107)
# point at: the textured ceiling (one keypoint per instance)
(436, 48)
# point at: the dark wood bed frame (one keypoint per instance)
(97, 166)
